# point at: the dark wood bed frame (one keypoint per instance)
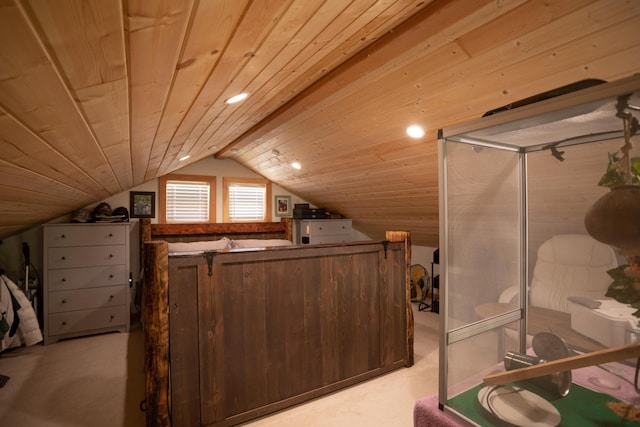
(235, 335)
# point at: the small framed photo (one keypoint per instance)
(283, 206)
(142, 204)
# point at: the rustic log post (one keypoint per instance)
(405, 236)
(144, 231)
(145, 236)
(288, 234)
(155, 320)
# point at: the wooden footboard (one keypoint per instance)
(232, 336)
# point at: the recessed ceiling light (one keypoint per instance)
(236, 98)
(182, 159)
(415, 131)
(296, 165)
(234, 151)
(211, 147)
(275, 153)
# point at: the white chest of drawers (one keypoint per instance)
(86, 288)
(318, 231)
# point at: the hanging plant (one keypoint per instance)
(622, 289)
(617, 173)
(614, 218)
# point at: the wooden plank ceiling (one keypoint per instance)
(99, 96)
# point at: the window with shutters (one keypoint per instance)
(246, 200)
(187, 198)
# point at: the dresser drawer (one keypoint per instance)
(85, 234)
(86, 320)
(328, 227)
(80, 299)
(73, 257)
(337, 238)
(87, 277)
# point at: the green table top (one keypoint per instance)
(580, 408)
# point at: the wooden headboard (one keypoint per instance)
(214, 231)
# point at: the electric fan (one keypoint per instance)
(419, 282)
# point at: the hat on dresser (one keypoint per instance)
(121, 214)
(102, 212)
(80, 215)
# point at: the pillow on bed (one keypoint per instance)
(259, 243)
(209, 245)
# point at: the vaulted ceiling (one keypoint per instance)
(99, 96)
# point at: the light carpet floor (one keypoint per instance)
(94, 381)
(98, 381)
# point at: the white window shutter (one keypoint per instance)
(187, 201)
(247, 202)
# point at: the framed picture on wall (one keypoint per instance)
(142, 204)
(283, 206)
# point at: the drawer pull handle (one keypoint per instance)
(64, 279)
(112, 317)
(64, 258)
(110, 234)
(111, 297)
(64, 323)
(111, 276)
(63, 237)
(110, 255)
(64, 301)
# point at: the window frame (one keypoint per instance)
(228, 181)
(162, 199)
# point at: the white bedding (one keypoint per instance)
(259, 243)
(225, 244)
(209, 245)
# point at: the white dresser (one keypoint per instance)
(86, 281)
(317, 231)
